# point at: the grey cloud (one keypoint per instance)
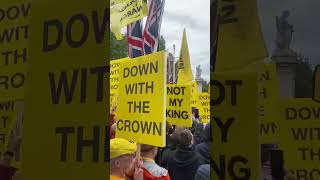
(188, 20)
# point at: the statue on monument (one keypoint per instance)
(199, 71)
(284, 35)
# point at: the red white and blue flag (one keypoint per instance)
(152, 29)
(135, 39)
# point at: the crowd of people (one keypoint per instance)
(186, 155)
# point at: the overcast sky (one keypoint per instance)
(194, 15)
(305, 16)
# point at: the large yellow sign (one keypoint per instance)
(184, 64)
(235, 147)
(204, 106)
(239, 33)
(126, 12)
(178, 110)
(65, 131)
(114, 79)
(142, 100)
(14, 51)
(194, 94)
(268, 100)
(300, 137)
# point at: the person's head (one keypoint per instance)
(185, 138)
(175, 136)
(149, 151)
(7, 157)
(122, 153)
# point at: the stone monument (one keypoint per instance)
(199, 79)
(284, 57)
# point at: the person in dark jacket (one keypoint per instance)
(203, 149)
(198, 133)
(184, 162)
(161, 151)
(174, 141)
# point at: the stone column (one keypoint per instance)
(286, 75)
(199, 85)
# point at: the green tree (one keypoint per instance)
(162, 44)
(118, 49)
(303, 78)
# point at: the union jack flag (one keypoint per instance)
(153, 25)
(135, 40)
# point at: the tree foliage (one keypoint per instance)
(118, 49)
(162, 44)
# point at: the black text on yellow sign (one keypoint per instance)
(204, 106)
(67, 75)
(178, 109)
(14, 52)
(141, 103)
(57, 31)
(300, 135)
(233, 112)
(64, 84)
(268, 97)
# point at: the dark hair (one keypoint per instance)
(185, 138)
(9, 153)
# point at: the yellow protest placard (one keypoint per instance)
(142, 100)
(126, 12)
(239, 33)
(268, 98)
(204, 106)
(114, 79)
(300, 137)
(178, 109)
(14, 35)
(65, 122)
(7, 119)
(194, 94)
(235, 148)
(268, 85)
(184, 64)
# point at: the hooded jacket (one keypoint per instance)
(184, 163)
(203, 149)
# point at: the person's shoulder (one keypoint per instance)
(203, 172)
(155, 170)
